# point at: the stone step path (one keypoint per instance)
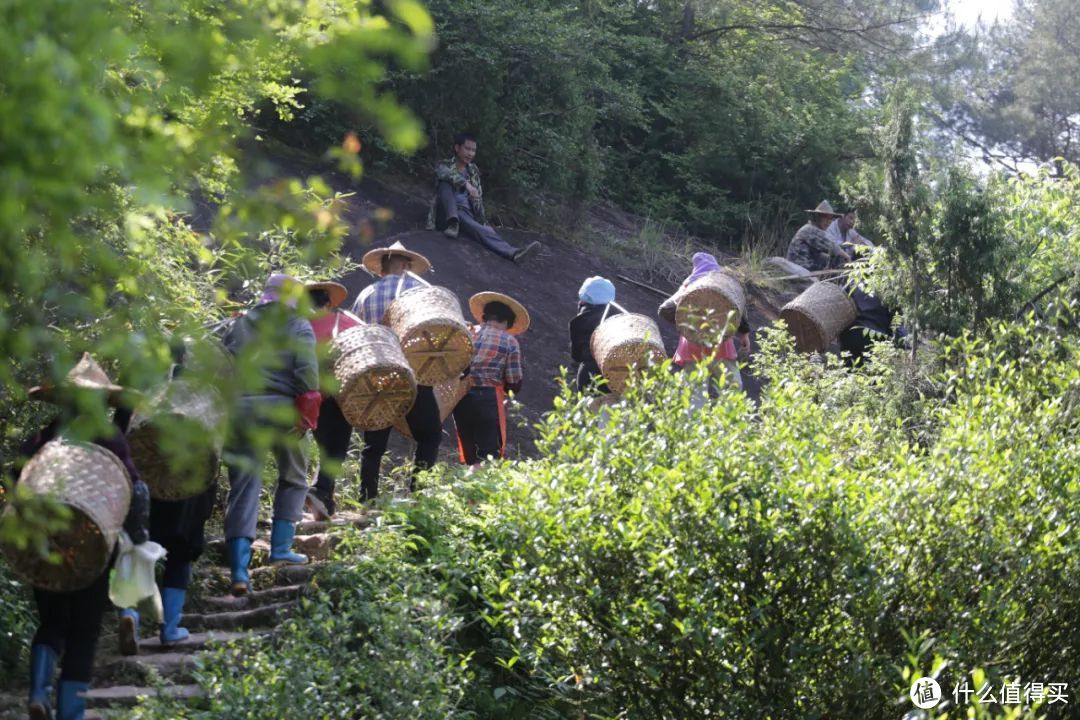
(214, 618)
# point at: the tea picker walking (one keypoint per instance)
(594, 296)
(496, 368)
(178, 526)
(70, 621)
(725, 356)
(275, 351)
(333, 433)
(396, 267)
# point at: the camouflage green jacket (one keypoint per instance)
(815, 250)
(447, 171)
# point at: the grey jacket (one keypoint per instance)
(282, 344)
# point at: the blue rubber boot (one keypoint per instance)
(172, 602)
(128, 632)
(42, 669)
(70, 702)
(239, 559)
(282, 533)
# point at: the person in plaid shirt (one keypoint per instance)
(496, 367)
(458, 204)
(396, 267)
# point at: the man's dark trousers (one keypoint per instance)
(449, 206)
(425, 424)
(333, 435)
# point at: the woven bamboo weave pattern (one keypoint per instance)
(176, 442)
(434, 336)
(376, 384)
(624, 342)
(818, 315)
(94, 484)
(447, 395)
(710, 302)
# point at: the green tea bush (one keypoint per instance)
(807, 558)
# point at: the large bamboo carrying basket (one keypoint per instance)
(624, 342)
(376, 385)
(817, 316)
(713, 304)
(95, 486)
(447, 395)
(176, 441)
(434, 336)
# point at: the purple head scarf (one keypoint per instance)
(703, 263)
(274, 285)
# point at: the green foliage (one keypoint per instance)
(1016, 96)
(715, 116)
(117, 120)
(18, 628)
(802, 559)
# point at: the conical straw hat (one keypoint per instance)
(521, 315)
(335, 290)
(86, 374)
(372, 260)
(824, 208)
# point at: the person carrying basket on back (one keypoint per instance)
(594, 297)
(334, 433)
(70, 622)
(689, 353)
(397, 269)
(496, 368)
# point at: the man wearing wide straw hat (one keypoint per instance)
(496, 366)
(398, 269)
(279, 402)
(333, 433)
(71, 621)
(811, 247)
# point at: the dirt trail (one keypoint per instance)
(213, 618)
(546, 283)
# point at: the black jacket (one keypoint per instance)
(581, 330)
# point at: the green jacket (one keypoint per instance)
(447, 171)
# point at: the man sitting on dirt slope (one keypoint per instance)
(458, 205)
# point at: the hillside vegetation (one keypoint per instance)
(806, 556)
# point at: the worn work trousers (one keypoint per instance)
(425, 424)
(70, 623)
(260, 427)
(447, 207)
(477, 421)
(333, 436)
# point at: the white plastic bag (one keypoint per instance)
(133, 578)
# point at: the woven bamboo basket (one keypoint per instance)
(448, 395)
(817, 316)
(704, 308)
(434, 336)
(624, 342)
(176, 441)
(377, 386)
(95, 486)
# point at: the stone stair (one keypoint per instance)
(215, 618)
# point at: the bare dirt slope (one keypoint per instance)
(546, 283)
